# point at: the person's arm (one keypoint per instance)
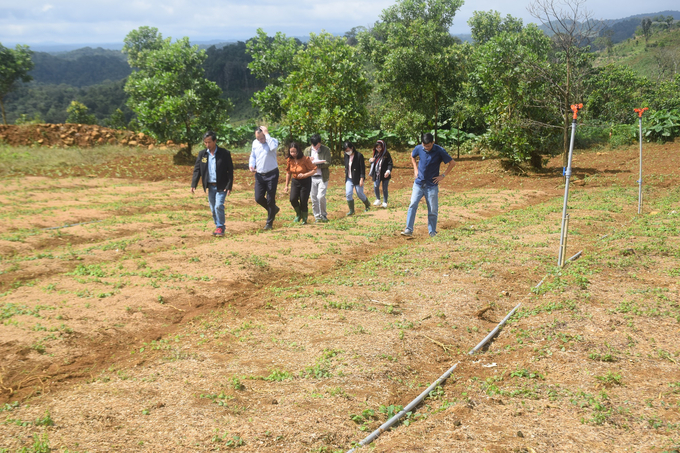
(325, 156)
(197, 173)
(271, 141)
(362, 170)
(415, 167)
(285, 190)
(439, 178)
(388, 158)
(230, 173)
(252, 161)
(309, 166)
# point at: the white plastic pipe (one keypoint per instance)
(385, 426)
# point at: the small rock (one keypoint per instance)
(520, 434)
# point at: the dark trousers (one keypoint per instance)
(299, 193)
(265, 192)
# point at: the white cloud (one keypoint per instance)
(98, 21)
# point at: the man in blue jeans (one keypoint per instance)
(426, 173)
(215, 167)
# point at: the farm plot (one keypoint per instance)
(132, 329)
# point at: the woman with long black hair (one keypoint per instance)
(299, 171)
(381, 171)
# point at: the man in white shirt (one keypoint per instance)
(263, 163)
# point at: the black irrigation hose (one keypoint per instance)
(385, 426)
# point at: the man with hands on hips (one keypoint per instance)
(427, 179)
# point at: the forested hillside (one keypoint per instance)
(96, 77)
(508, 90)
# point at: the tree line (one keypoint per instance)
(510, 90)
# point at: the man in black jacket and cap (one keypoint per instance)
(215, 167)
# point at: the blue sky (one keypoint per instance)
(108, 21)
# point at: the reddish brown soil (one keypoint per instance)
(133, 327)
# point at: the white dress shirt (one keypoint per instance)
(263, 155)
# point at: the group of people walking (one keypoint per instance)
(307, 175)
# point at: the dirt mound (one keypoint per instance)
(66, 135)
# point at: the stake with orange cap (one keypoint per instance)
(567, 175)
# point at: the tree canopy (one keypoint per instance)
(418, 65)
(313, 88)
(169, 92)
(15, 65)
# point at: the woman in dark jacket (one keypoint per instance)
(355, 173)
(381, 171)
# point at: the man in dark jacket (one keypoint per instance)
(216, 169)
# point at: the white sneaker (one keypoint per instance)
(376, 203)
(384, 205)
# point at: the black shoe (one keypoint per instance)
(267, 227)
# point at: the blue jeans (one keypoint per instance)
(350, 186)
(376, 188)
(216, 200)
(431, 195)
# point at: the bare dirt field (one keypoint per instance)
(127, 327)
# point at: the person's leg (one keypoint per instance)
(260, 190)
(272, 183)
(416, 195)
(376, 190)
(323, 187)
(294, 198)
(385, 184)
(305, 187)
(349, 188)
(212, 191)
(219, 208)
(432, 199)
(362, 196)
(360, 193)
(315, 197)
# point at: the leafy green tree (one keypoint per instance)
(418, 64)
(272, 63)
(613, 92)
(511, 88)
(117, 120)
(572, 26)
(168, 92)
(327, 90)
(14, 68)
(77, 114)
(669, 22)
(666, 95)
(646, 26)
(486, 25)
